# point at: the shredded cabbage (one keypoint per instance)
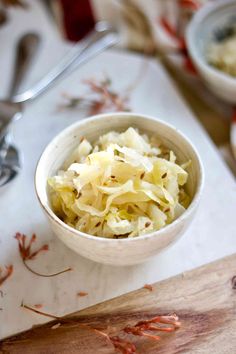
(124, 185)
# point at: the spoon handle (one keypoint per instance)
(25, 52)
(26, 49)
(100, 39)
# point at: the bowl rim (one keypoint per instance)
(123, 115)
(195, 22)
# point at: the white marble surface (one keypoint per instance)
(211, 235)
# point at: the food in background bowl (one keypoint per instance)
(124, 185)
(221, 52)
(214, 22)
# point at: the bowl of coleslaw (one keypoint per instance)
(119, 188)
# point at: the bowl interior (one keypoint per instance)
(210, 25)
(59, 149)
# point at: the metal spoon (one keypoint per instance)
(100, 39)
(9, 155)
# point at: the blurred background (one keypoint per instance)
(152, 27)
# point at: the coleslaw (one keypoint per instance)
(124, 185)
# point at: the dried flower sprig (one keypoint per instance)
(60, 319)
(141, 328)
(40, 312)
(170, 322)
(82, 293)
(7, 273)
(27, 254)
(148, 287)
(38, 306)
(99, 98)
(124, 346)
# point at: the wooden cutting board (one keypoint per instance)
(204, 299)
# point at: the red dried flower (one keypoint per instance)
(25, 251)
(148, 287)
(82, 293)
(100, 98)
(8, 272)
(38, 306)
(124, 346)
(151, 325)
(27, 254)
(39, 312)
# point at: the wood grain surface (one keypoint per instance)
(204, 299)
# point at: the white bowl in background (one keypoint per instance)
(210, 18)
(118, 251)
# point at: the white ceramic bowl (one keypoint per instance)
(117, 251)
(210, 18)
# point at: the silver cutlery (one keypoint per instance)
(101, 38)
(27, 47)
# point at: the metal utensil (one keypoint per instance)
(100, 39)
(9, 155)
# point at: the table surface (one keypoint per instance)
(211, 235)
